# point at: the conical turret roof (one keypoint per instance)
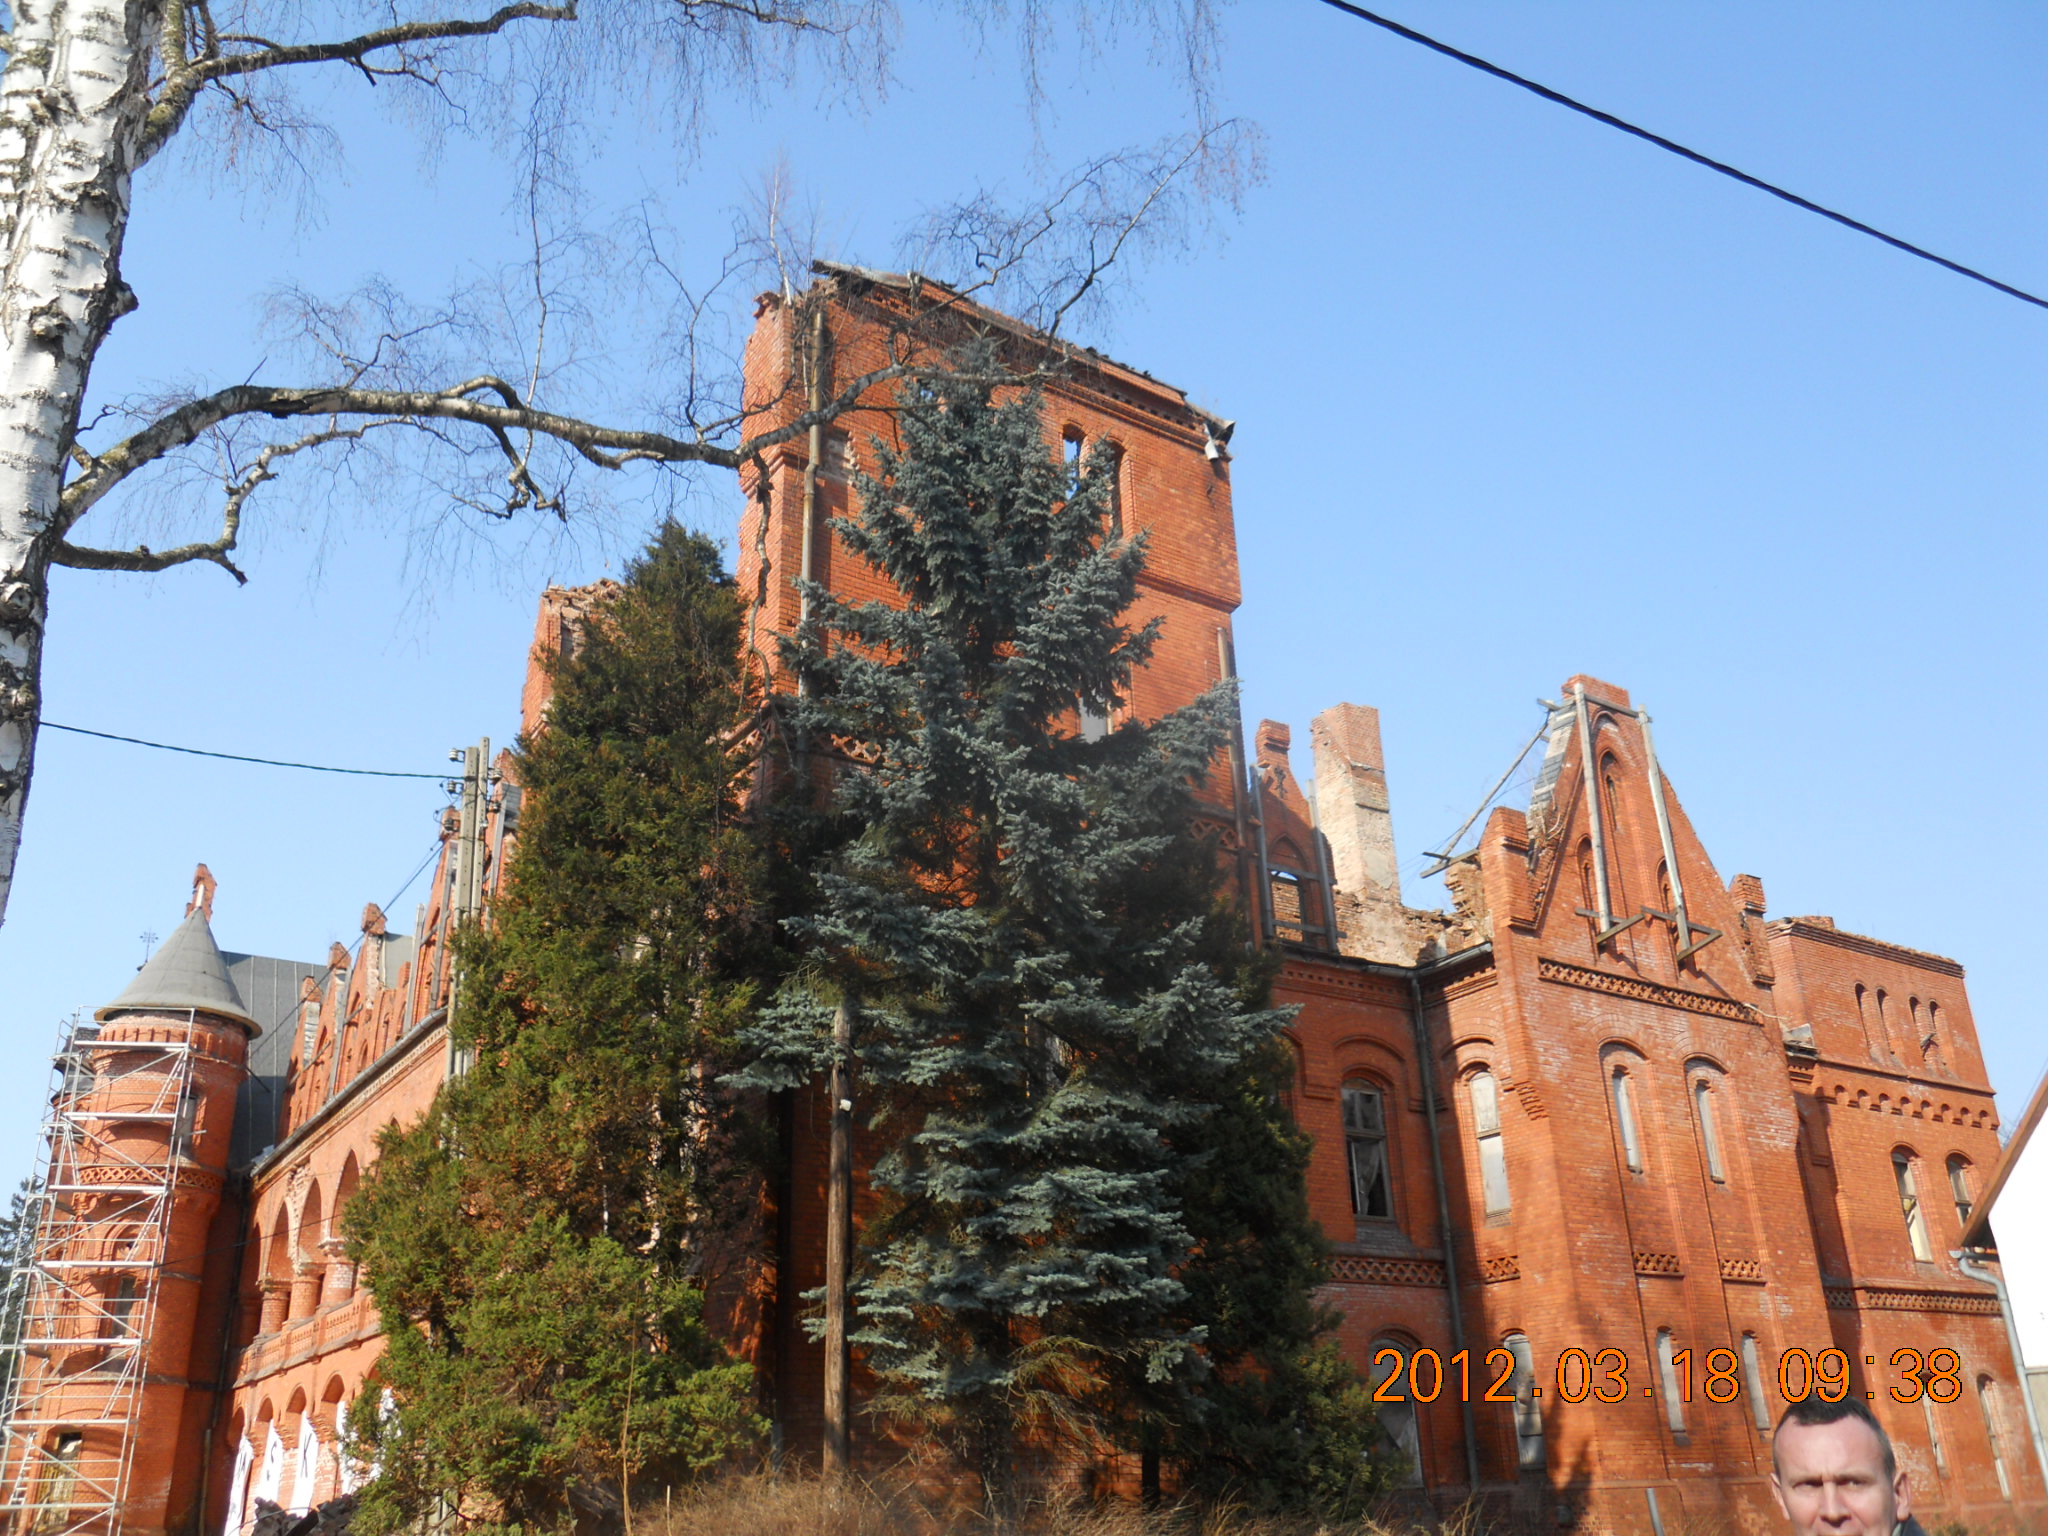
(187, 972)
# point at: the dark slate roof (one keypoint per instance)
(188, 972)
(272, 987)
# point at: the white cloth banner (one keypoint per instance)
(348, 1474)
(238, 1487)
(270, 1477)
(309, 1465)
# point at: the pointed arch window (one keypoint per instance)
(1397, 1417)
(1710, 1129)
(1987, 1402)
(1625, 1119)
(1959, 1187)
(1531, 1454)
(60, 1481)
(1863, 1019)
(1908, 1180)
(1667, 1371)
(1753, 1383)
(1884, 1025)
(1484, 1092)
(1365, 1146)
(1934, 1433)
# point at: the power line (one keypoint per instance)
(1562, 100)
(236, 757)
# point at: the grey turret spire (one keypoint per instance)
(187, 972)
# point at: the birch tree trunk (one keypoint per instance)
(72, 103)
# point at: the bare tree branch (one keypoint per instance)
(183, 81)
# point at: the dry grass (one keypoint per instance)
(801, 1505)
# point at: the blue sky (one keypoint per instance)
(1517, 397)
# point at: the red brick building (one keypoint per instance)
(1638, 1153)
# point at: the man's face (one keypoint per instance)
(1830, 1481)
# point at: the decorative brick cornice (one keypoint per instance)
(1890, 1298)
(1506, 1266)
(1742, 1271)
(1644, 991)
(1370, 1269)
(1329, 976)
(1658, 1264)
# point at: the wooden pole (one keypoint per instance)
(839, 1248)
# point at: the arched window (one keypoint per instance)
(1397, 1418)
(1909, 1204)
(1073, 448)
(238, 1487)
(1884, 1026)
(1667, 1370)
(1530, 1454)
(1365, 1145)
(1863, 1019)
(60, 1480)
(1934, 1433)
(1987, 1401)
(1116, 489)
(1710, 1131)
(1753, 1382)
(1493, 1157)
(1959, 1186)
(1625, 1119)
(1932, 1047)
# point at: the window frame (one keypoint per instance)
(1667, 1374)
(1912, 1204)
(1403, 1406)
(1622, 1096)
(1532, 1450)
(1356, 1137)
(1703, 1091)
(1490, 1143)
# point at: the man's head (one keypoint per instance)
(1834, 1473)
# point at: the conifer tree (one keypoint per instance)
(1050, 1028)
(540, 1243)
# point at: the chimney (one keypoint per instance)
(1352, 805)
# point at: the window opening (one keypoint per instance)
(1959, 1186)
(1071, 445)
(1863, 1019)
(1934, 1434)
(1625, 1117)
(1530, 1453)
(1667, 1368)
(1988, 1403)
(1493, 1158)
(1710, 1133)
(1365, 1140)
(1884, 1025)
(1753, 1380)
(1909, 1206)
(1397, 1417)
(1094, 722)
(60, 1481)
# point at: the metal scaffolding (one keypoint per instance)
(81, 1300)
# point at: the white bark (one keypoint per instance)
(72, 100)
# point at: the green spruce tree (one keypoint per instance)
(540, 1244)
(1055, 1030)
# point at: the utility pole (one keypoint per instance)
(839, 1247)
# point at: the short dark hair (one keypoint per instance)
(1816, 1411)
